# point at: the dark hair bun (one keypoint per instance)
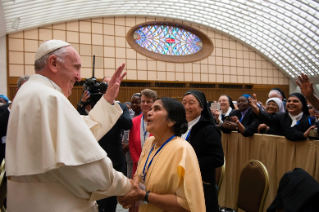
(180, 128)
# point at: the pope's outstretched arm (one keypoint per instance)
(106, 112)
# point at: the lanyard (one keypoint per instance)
(188, 135)
(145, 172)
(144, 128)
(241, 118)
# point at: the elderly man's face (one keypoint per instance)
(69, 71)
(274, 94)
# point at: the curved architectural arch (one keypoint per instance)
(284, 31)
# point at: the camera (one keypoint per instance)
(95, 89)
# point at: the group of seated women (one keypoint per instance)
(290, 119)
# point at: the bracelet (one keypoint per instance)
(146, 197)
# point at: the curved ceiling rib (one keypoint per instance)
(285, 31)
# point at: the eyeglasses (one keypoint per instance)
(147, 102)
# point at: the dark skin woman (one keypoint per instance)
(136, 104)
(245, 116)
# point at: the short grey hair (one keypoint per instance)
(60, 53)
(276, 92)
(22, 79)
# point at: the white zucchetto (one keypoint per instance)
(49, 46)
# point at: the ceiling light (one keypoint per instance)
(15, 23)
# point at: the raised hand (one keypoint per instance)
(114, 85)
(253, 104)
(253, 101)
(305, 85)
(85, 96)
(216, 114)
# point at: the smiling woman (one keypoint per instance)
(204, 137)
(294, 124)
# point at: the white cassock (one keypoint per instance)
(53, 159)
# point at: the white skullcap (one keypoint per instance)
(49, 46)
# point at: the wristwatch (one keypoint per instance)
(146, 197)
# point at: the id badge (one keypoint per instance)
(142, 187)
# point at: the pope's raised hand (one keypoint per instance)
(114, 84)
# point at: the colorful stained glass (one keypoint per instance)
(167, 40)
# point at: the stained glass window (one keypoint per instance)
(167, 40)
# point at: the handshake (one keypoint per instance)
(132, 198)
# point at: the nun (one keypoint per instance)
(205, 138)
(294, 124)
(226, 107)
(242, 119)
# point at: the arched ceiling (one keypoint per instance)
(284, 31)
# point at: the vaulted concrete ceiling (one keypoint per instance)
(284, 31)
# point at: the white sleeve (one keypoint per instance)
(93, 181)
(220, 123)
(102, 117)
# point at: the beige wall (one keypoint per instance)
(230, 62)
(3, 65)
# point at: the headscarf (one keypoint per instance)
(231, 104)
(278, 102)
(5, 98)
(281, 93)
(303, 101)
(200, 96)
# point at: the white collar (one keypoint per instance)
(295, 118)
(53, 84)
(190, 125)
(193, 122)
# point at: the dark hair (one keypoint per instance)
(176, 112)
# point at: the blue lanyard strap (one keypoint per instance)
(145, 172)
(187, 135)
(144, 128)
(309, 121)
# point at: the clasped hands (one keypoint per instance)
(132, 197)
